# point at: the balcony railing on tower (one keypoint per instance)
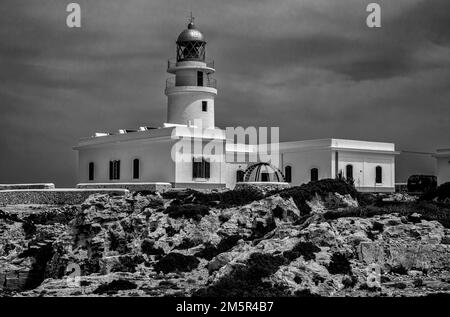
(172, 63)
(207, 82)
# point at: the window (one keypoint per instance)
(204, 106)
(201, 168)
(314, 174)
(378, 175)
(114, 170)
(265, 177)
(349, 171)
(239, 176)
(288, 174)
(199, 78)
(91, 171)
(136, 168)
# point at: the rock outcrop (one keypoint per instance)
(153, 245)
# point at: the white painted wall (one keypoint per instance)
(186, 105)
(155, 162)
(364, 165)
(303, 156)
(303, 161)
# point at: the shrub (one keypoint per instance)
(261, 228)
(114, 286)
(225, 199)
(443, 191)
(148, 247)
(305, 249)
(186, 243)
(210, 251)
(192, 211)
(400, 269)
(306, 192)
(339, 264)
(174, 262)
(246, 281)
(428, 211)
(349, 281)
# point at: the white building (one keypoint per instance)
(149, 155)
(442, 165)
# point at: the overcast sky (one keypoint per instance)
(312, 67)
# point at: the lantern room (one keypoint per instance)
(191, 44)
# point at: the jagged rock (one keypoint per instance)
(277, 249)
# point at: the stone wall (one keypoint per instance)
(199, 186)
(27, 186)
(133, 187)
(264, 186)
(52, 196)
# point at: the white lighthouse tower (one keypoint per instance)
(192, 90)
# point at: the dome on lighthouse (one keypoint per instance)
(191, 34)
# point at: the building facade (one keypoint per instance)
(179, 154)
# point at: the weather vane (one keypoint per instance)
(191, 18)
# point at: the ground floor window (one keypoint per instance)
(288, 174)
(114, 170)
(136, 164)
(239, 176)
(378, 175)
(91, 171)
(201, 168)
(314, 174)
(349, 172)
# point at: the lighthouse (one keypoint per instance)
(191, 91)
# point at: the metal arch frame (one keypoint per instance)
(192, 48)
(258, 166)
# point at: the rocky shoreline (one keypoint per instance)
(292, 242)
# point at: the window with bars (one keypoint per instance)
(114, 170)
(201, 168)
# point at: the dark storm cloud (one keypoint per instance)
(311, 67)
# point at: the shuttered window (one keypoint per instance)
(114, 170)
(201, 168)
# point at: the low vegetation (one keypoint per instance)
(115, 286)
(224, 245)
(191, 211)
(427, 210)
(176, 262)
(247, 281)
(306, 192)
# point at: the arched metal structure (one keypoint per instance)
(253, 173)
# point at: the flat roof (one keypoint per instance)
(445, 152)
(339, 144)
(166, 133)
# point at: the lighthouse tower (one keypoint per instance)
(191, 92)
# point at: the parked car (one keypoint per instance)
(421, 183)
